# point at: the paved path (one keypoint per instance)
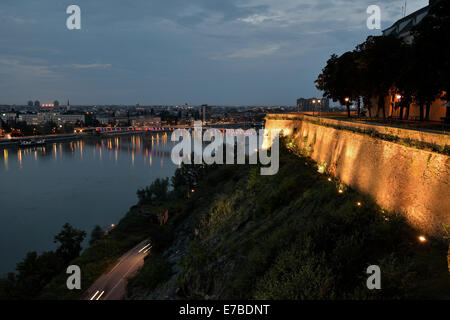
(112, 285)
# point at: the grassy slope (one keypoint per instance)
(293, 236)
(290, 236)
(96, 259)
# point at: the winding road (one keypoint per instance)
(112, 285)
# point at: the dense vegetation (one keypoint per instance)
(36, 271)
(232, 233)
(291, 236)
(384, 65)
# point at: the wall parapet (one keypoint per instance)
(420, 139)
(411, 181)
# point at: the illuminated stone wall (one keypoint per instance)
(403, 179)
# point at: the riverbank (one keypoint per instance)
(85, 182)
(15, 142)
(232, 234)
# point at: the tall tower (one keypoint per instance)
(68, 106)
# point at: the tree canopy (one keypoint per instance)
(418, 71)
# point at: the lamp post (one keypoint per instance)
(347, 103)
(398, 98)
(314, 105)
(319, 102)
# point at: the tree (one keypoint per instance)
(96, 234)
(158, 190)
(337, 79)
(379, 58)
(432, 45)
(70, 240)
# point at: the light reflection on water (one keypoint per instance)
(85, 182)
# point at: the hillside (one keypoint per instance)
(240, 235)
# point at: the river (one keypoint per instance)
(85, 183)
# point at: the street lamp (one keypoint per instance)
(347, 102)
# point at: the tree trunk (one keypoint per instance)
(359, 107)
(407, 106)
(427, 113)
(381, 105)
(447, 115)
(368, 105)
(402, 106)
(421, 110)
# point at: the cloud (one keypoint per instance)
(92, 66)
(258, 19)
(21, 68)
(240, 41)
(247, 53)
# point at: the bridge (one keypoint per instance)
(165, 129)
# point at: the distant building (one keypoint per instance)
(47, 106)
(146, 121)
(69, 118)
(313, 104)
(68, 106)
(8, 117)
(206, 112)
(35, 119)
(401, 29)
(45, 117)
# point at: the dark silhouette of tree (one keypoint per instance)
(69, 240)
(380, 57)
(432, 45)
(337, 79)
(157, 191)
(96, 234)
(35, 271)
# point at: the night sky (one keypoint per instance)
(220, 52)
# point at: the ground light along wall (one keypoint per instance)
(408, 180)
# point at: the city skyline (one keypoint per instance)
(152, 53)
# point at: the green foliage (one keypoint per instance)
(96, 234)
(197, 257)
(304, 240)
(37, 271)
(69, 240)
(384, 65)
(157, 191)
(155, 271)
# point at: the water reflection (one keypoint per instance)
(84, 182)
(146, 145)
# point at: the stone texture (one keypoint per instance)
(411, 181)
